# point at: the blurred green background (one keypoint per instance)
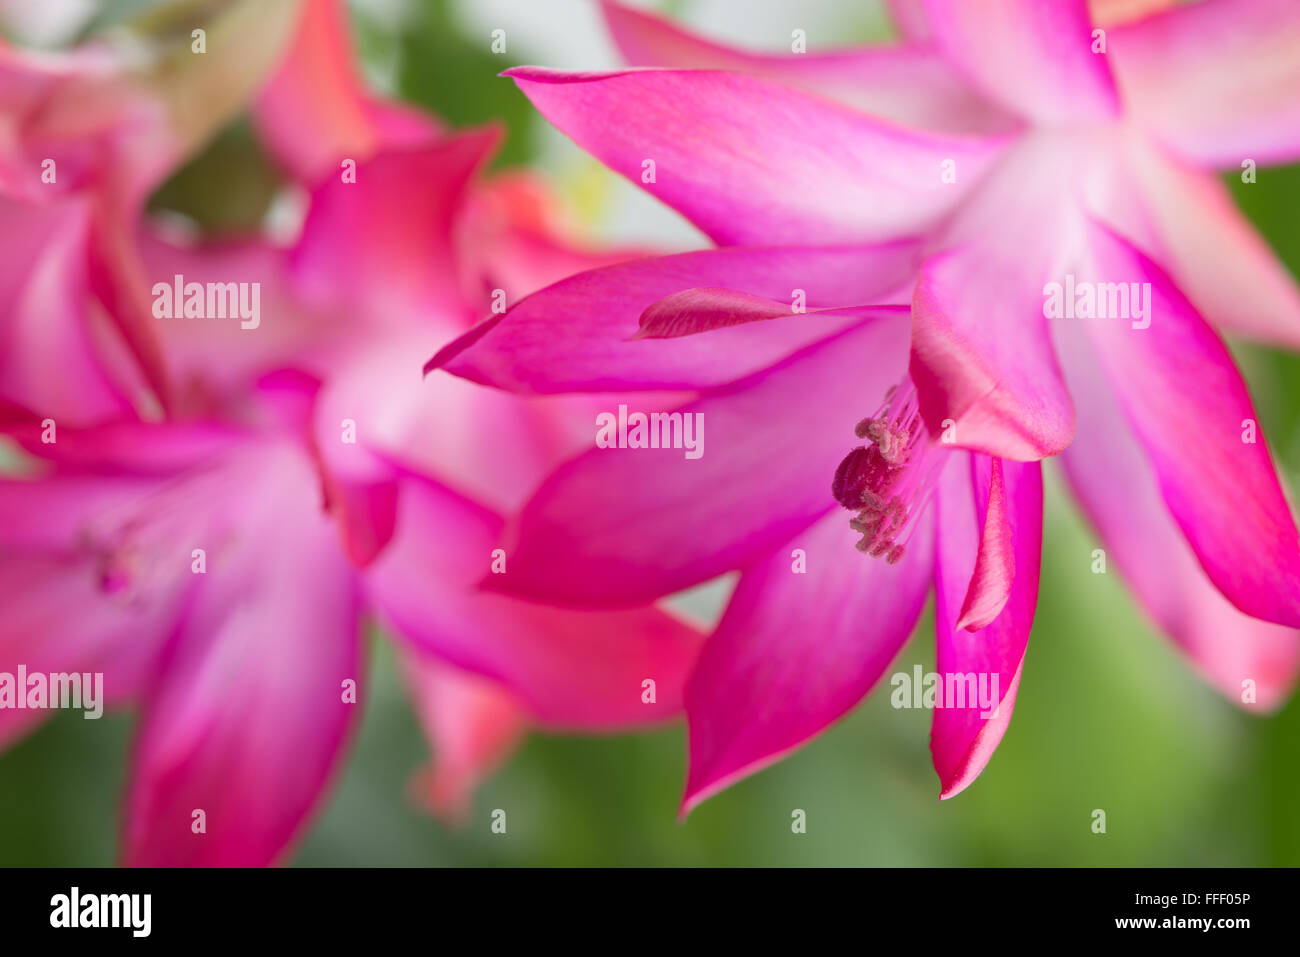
(1108, 715)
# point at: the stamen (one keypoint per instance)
(888, 482)
(143, 545)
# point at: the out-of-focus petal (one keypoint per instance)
(214, 362)
(1215, 81)
(63, 609)
(909, 19)
(1115, 482)
(1034, 58)
(472, 725)
(50, 359)
(753, 162)
(795, 651)
(251, 710)
(518, 238)
(1186, 220)
(571, 670)
(384, 246)
(315, 111)
(379, 416)
(1109, 13)
(909, 84)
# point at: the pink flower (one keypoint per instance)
(964, 172)
(218, 567)
(85, 136)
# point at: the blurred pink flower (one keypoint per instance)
(85, 136)
(989, 156)
(240, 655)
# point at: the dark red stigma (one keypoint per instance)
(861, 477)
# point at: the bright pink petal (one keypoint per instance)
(725, 157)
(583, 670)
(250, 712)
(471, 723)
(574, 335)
(911, 85)
(965, 734)
(1114, 480)
(1035, 58)
(1189, 408)
(796, 650)
(625, 525)
(982, 358)
(1215, 101)
(995, 562)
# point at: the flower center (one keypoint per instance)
(143, 546)
(888, 482)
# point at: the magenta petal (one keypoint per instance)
(569, 669)
(995, 562)
(618, 526)
(982, 358)
(1114, 480)
(693, 311)
(250, 712)
(1035, 58)
(912, 84)
(795, 651)
(384, 245)
(965, 734)
(1220, 102)
(127, 447)
(725, 158)
(573, 336)
(1186, 402)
